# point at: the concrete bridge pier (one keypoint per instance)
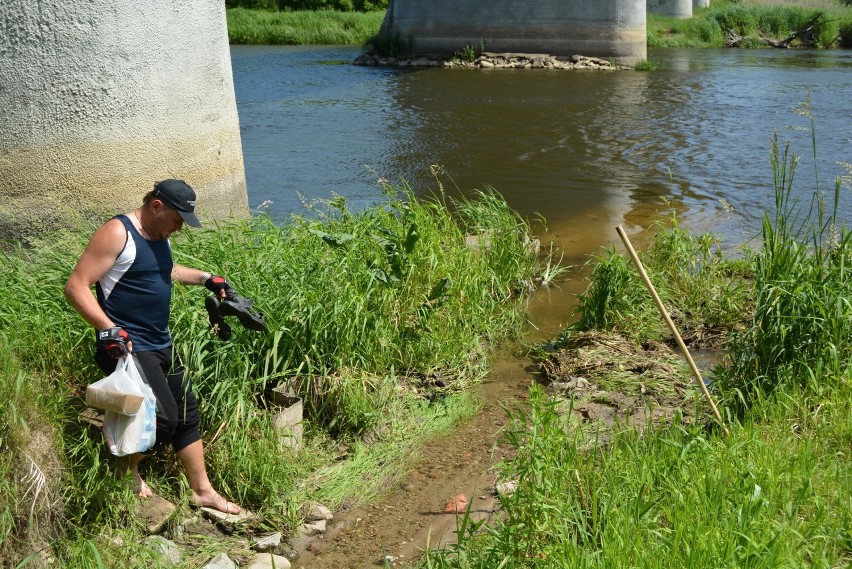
(681, 9)
(603, 28)
(100, 99)
(700, 4)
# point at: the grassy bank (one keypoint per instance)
(323, 27)
(753, 22)
(776, 492)
(379, 320)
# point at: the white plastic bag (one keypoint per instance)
(119, 391)
(129, 434)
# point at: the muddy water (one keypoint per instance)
(584, 150)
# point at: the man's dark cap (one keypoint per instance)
(180, 197)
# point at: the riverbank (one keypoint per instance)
(608, 473)
(380, 322)
(758, 23)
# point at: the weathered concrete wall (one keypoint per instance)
(99, 99)
(674, 8)
(600, 28)
(700, 4)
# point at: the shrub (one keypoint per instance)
(708, 30)
(845, 31)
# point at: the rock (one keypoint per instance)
(167, 549)
(387, 560)
(507, 488)
(489, 60)
(315, 511)
(457, 504)
(266, 542)
(221, 561)
(312, 528)
(269, 561)
(154, 512)
(571, 383)
(228, 522)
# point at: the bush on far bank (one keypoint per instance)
(292, 5)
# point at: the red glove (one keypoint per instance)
(217, 284)
(114, 341)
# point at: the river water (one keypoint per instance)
(585, 150)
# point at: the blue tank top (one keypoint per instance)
(137, 290)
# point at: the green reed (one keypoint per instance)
(699, 286)
(800, 332)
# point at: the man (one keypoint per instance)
(129, 261)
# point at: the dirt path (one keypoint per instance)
(401, 522)
(411, 514)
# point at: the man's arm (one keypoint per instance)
(100, 254)
(189, 276)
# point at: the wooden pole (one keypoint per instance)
(671, 325)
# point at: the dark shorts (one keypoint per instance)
(177, 409)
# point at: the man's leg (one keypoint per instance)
(203, 494)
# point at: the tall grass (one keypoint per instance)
(776, 493)
(379, 320)
(324, 27)
(801, 332)
(698, 285)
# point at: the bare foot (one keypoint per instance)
(212, 499)
(128, 466)
(140, 488)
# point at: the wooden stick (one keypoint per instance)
(671, 325)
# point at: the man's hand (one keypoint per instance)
(115, 341)
(219, 286)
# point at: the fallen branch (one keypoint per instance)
(798, 35)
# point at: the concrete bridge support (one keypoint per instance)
(100, 99)
(700, 4)
(601, 28)
(673, 8)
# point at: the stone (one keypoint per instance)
(221, 561)
(228, 522)
(168, 550)
(269, 561)
(315, 511)
(266, 542)
(312, 528)
(288, 411)
(154, 512)
(505, 489)
(457, 504)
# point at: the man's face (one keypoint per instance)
(166, 221)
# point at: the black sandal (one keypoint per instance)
(232, 305)
(217, 323)
(235, 305)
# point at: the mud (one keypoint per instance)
(411, 515)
